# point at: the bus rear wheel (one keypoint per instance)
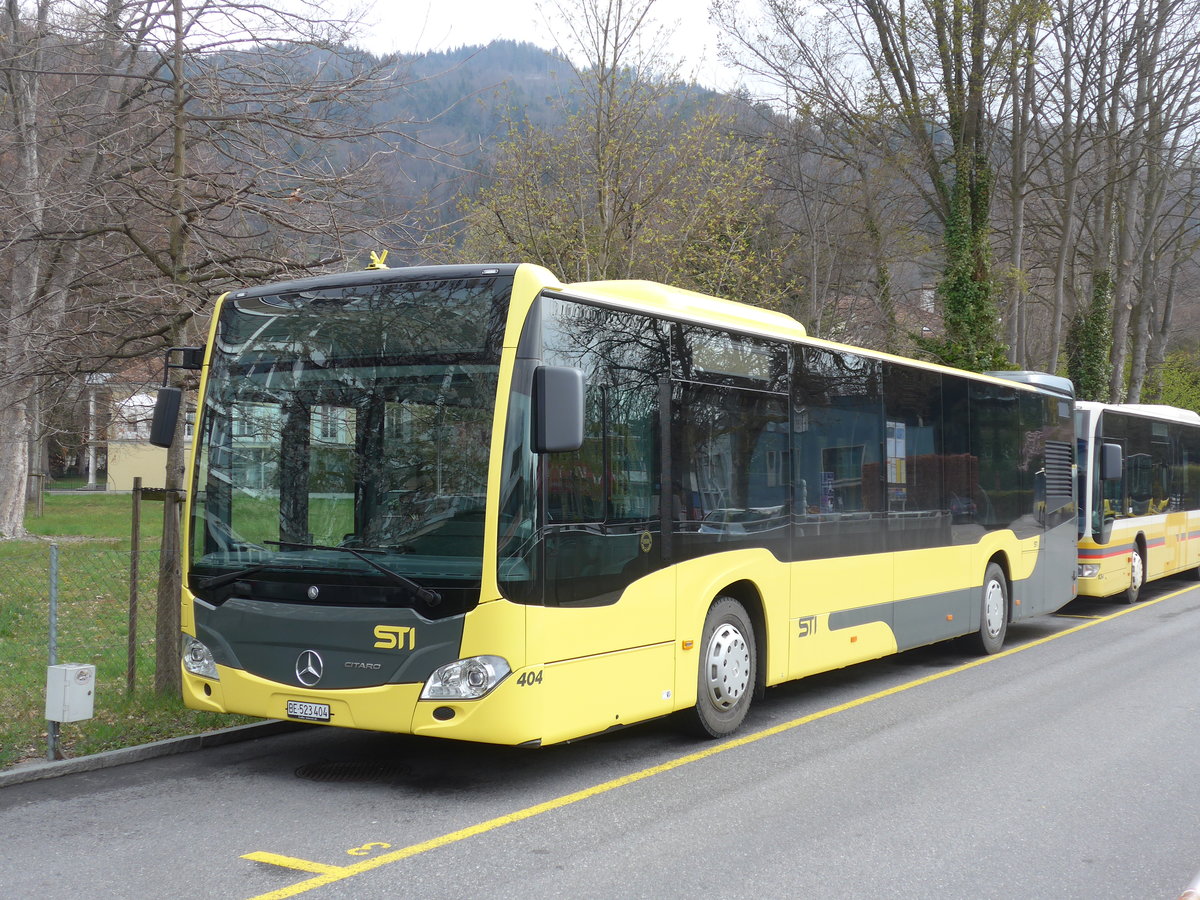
(993, 613)
(728, 669)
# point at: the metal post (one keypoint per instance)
(135, 552)
(53, 751)
(92, 435)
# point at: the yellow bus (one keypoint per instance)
(1139, 496)
(474, 502)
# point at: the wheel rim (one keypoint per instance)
(727, 666)
(1136, 574)
(993, 608)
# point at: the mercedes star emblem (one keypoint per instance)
(309, 667)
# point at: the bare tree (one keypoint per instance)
(21, 56)
(630, 186)
(194, 145)
(850, 195)
(924, 79)
(1168, 149)
(1084, 115)
(1124, 80)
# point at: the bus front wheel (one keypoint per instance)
(727, 669)
(1137, 576)
(993, 614)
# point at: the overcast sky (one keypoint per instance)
(446, 24)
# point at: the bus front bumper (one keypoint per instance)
(501, 717)
(1102, 577)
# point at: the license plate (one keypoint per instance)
(311, 712)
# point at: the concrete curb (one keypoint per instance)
(37, 771)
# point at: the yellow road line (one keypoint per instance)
(331, 874)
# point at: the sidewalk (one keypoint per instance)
(36, 771)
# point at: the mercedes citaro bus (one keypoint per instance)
(478, 503)
(1139, 496)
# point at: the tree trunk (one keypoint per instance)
(14, 460)
(1071, 107)
(22, 57)
(1022, 97)
(167, 676)
(1143, 311)
(1123, 286)
(167, 679)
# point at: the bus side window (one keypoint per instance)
(838, 443)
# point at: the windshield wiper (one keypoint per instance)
(218, 581)
(433, 598)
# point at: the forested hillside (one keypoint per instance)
(460, 103)
(464, 103)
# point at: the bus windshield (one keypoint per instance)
(344, 442)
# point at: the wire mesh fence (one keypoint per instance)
(102, 590)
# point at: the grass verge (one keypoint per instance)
(93, 534)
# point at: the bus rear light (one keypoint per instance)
(466, 679)
(198, 659)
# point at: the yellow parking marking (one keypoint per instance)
(330, 874)
(291, 862)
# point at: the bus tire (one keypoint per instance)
(727, 670)
(1137, 576)
(993, 611)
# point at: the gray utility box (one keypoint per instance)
(70, 692)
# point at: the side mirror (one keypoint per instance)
(557, 409)
(166, 415)
(1110, 462)
(166, 406)
(191, 358)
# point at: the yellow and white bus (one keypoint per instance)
(1139, 496)
(474, 502)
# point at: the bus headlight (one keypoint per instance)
(1089, 570)
(466, 679)
(198, 659)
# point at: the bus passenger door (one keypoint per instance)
(923, 493)
(843, 578)
(604, 629)
(727, 494)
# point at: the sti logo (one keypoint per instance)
(395, 637)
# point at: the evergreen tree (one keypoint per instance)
(1089, 343)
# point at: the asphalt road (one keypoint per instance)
(1066, 767)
